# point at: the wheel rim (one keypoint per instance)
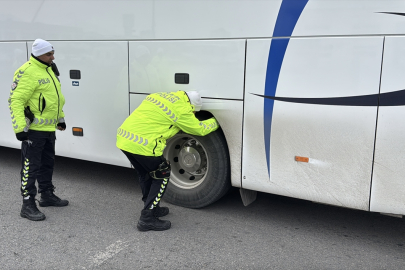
(188, 159)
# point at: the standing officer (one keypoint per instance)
(142, 137)
(36, 103)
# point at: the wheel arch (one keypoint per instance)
(211, 182)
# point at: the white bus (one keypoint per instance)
(308, 93)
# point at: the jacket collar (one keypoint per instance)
(39, 62)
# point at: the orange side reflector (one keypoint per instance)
(77, 131)
(301, 159)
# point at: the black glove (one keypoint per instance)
(22, 136)
(28, 114)
(62, 125)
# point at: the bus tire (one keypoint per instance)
(200, 169)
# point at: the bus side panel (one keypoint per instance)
(197, 19)
(337, 139)
(98, 102)
(136, 20)
(12, 56)
(216, 70)
(388, 187)
(354, 17)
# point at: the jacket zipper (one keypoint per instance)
(56, 89)
(157, 139)
(39, 103)
(155, 147)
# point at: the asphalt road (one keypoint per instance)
(98, 229)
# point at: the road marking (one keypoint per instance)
(109, 252)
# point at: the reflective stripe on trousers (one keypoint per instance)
(37, 162)
(151, 188)
(160, 194)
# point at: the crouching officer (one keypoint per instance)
(36, 103)
(142, 137)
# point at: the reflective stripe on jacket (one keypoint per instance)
(159, 117)
(36, 85)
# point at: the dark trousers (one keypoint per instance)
(38, 159)
(152, 189)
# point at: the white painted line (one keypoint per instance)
(109, 252)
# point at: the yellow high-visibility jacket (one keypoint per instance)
(159, 117)
(36, 85)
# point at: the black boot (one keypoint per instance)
(29, 210)
(50, 199)
(161, 211)
(148, 221)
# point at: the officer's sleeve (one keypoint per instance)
(21, 91)
(61, 117)
(188, 123)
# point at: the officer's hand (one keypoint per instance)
(61, 126)
(22, 136)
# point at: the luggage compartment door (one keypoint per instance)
(324, 82)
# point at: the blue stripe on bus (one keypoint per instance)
(394, 98)
(288, 15)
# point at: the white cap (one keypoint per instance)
(41, 47)
(195, 99)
